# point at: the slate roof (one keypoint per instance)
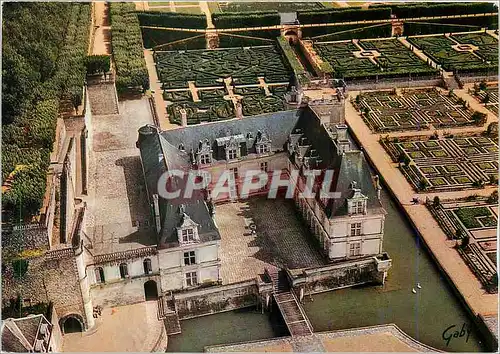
(198, 211)
(19, 335)
(277, 126)
(171, 149)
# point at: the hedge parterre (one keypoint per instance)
(445, 164)
(395, 59)
(386, 111)
(474, 219)
(441, 50)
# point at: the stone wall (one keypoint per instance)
(337, 276)
(216, 299)
(56, 340)
(121, 292)
(51, 277)
(391, 83)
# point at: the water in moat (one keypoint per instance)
(424, 315)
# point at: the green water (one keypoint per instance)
(424, 315)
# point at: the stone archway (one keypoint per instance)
(150, 290)
(71, 323)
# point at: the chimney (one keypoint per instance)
(156, 207)
(342, 141)
(239, 110)
(184, 122)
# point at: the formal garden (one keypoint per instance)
(371, 59)
(264, 6)
(208, 83)
(487, 95)
(417, 109)
(451, 163)
(474, 52)
(472, 221)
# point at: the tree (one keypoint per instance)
(492, 129)
(450, 93)
(423, 184)
(436, 202)
(478, 118)
(486, 98)
(458, 234)
(483, 86)
(465, 241)
(358, 99)
(493, 198)
(76, 99)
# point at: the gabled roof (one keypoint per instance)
(198, 213)
(19, 334)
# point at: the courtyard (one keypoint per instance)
(117, 217)
(445, 164)
(280, 239)
(416, 109)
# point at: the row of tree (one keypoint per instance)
(127, 47)
(44, 50)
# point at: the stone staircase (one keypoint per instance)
(103, 98)
(168, 313)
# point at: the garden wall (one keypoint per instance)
(216, 299)
(337, 276)
(391, 83)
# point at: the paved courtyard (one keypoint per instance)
(115, 332)
(118, 214)
(281, 238)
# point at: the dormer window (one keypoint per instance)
(205, 159)
(187, 231)
(356, 204)
(263, 148)
(187, 235)
(231, 154)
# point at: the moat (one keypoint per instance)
(424, 315)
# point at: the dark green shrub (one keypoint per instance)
(247, 19)
(172, 19)
(98, 64)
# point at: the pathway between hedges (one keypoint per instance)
(479, 301)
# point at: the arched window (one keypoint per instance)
(123, 270)
(99, 275)
(147, 266)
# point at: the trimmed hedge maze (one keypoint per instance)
(386, 111)
(473, 221)
(442, 50)
(447, 164)
(391, 59)
(210, 67)
(195, 80)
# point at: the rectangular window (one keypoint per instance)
(191, 279)
(205, 159)
(187, 235)
(263, 148)
(231, 154)
(263, 166)
(189, 258)
(356, 229)
(359, 208)
(355, 249)
(234, 172)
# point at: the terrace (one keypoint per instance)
(474, 219)
(209, 84)
(387, 111)
(372, 59)
(461, 52)
(445, 164)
